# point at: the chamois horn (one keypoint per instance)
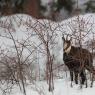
(63, 38)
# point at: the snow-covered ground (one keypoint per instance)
(61, 87)
(21, 28)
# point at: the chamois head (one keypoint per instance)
(66, 44)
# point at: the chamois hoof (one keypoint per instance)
(91, 86)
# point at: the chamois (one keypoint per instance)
(82, 57)
(75, 68)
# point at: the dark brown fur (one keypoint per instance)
(82, 57)
(75, 68)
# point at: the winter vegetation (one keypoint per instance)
(31, 54)
(47, 47)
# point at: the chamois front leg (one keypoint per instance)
(76, 77)
(71, 76)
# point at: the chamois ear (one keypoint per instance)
(63, 38)
(67, 36)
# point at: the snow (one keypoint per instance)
(62, 87)
(22, 25)
(84, 23)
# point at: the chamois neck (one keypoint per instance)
(73, 50)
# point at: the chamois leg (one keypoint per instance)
(82, 78)
(92, 76)
(90, 69)
(71, 76)
(76, 77)
(85, 79)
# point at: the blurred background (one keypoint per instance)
(55, 10)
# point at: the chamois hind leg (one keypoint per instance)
(84, 78)
(90, 69)
(92, 76)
